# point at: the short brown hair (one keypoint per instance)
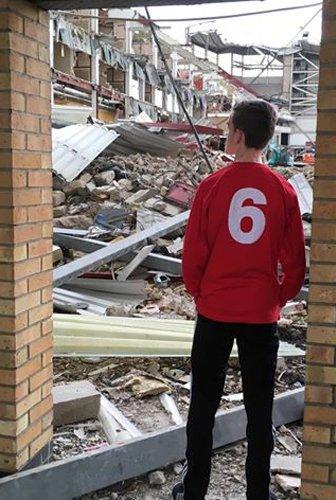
(257, 119)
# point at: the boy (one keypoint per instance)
(245, 220)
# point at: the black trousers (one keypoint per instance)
(258, 348)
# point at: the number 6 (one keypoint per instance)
(238, 212)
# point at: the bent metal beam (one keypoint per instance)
(114, 250)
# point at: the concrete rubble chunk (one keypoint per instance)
(104, 178)
(288, 483)
(140, 196)
(75, 402)
(60, 211)
(286, 464)
(75, 187)
(156, 478)
(78, 221)
(124, 185)
(58, 198)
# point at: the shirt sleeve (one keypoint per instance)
(195, 249)
(292, 256)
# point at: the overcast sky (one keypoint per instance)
(275, 29)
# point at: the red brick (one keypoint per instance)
(16, 324)
(320, 415)
(39, 142)
(47, 295)
(26, 437)
(40, 213)
(39, 248)
(47, 357)
(47, 389)
(28, 369)
(41, 409)
(41, 377)
(38, 69)
(23, 45)
(27, 196)
(10, 21)
(39, 313)
(38, 106)
(40, 280)
(29, 335)
(41, 441)
(27, 268)
(36, 31)
(39, 346)
(27, 232)
(320, 354)
(25, 84)
(317, 491)
(317, 434)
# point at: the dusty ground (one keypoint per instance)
(148, 414)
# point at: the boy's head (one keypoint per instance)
(251, 126)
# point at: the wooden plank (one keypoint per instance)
(76, 476)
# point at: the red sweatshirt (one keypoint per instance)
(245, 220)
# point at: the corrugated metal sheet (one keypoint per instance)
(134, 138)
(304, 192)
(76, 146)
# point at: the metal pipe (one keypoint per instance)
(177, 92)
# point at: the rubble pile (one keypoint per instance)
(289, 172)
(120, 181)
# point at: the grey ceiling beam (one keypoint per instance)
(109, 253)
(154, 261)
(95, 4)
(92, 471)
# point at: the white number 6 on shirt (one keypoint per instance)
(238, 212)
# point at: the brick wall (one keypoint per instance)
(319, 456)
(25, 234)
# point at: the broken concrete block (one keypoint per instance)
(104, 178)
(286, 464)
(145, 386)
(58, 198)
(71, 221)
(114, 194)
(281, 365)
(75, 187)
(60, 211)
(288, 483)
(58, 184)
(57, 254)
(156, 478)
(75, 402)
(140, 196)
(86, 177)
(101, 192)
(124, 185)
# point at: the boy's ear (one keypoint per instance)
(241, 136)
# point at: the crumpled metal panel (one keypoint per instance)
(134, 138)
(304, 193)
(76, 146)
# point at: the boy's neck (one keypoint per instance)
(249, 156)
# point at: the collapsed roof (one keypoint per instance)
(124, 4)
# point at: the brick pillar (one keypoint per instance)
(319, 454)
(25, 234)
